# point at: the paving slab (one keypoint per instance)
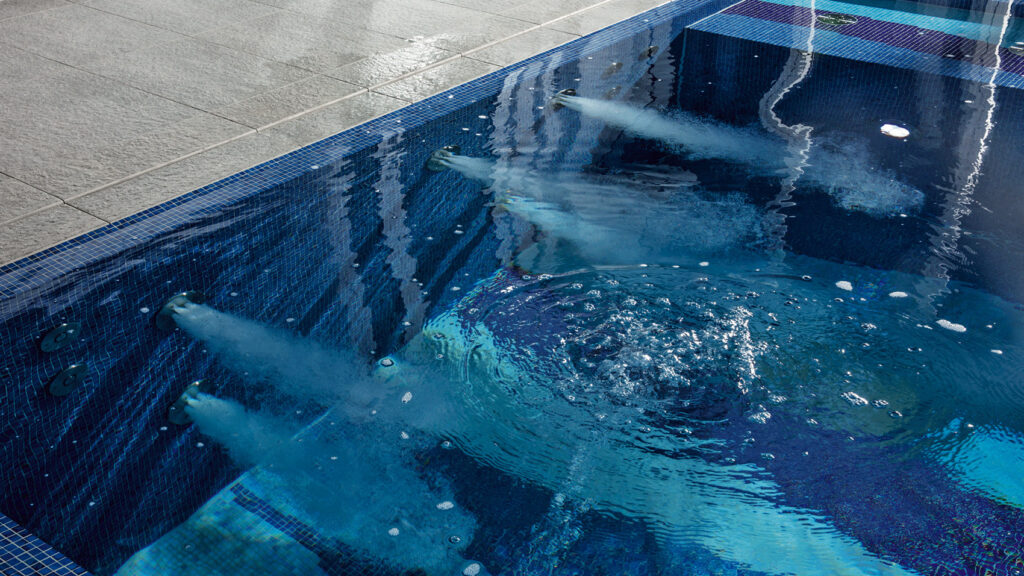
(190, 17)
(437, 79)
(330, 120)
(523, 46)
(41, 230)
(382, 68)
(13, 8)
(75, 34)
(198, 73)
(166, 183)
(20, 199)
(543, 11)
(54, 120)
(304, 40)
(302, 96)
(602, 16)
(110, 107)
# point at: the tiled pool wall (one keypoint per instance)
(726, 78)
(342, 241)
(335, 240)
(23, 554)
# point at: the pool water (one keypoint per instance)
(671, 302)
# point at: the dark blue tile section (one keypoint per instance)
(351, 243)
(336, 559)
(22, 554)
(889, 33)
(306, 243)
(880, 41)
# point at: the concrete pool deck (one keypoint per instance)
(110, 107)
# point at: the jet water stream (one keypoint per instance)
(358, 484)
(630, 390)
(458, 386)
(614, 220)
(294, 366)
(846, 173)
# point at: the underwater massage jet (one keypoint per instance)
(527, 432)
(845, 173)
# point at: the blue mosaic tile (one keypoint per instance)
(307, 250)
(22, 554)
(220, 238)
(336, 559)
(869, 39)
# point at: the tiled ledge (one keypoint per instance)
(98, 131)
(22, 554)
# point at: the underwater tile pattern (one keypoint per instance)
(22, 554)
(335, 558)
(114, 279)
(869, 39)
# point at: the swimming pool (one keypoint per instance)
(745, 300)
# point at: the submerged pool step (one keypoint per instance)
(21, 553)
(972, 51)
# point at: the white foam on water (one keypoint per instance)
(897, 294)
(541, 437)
(894, 131)
(844, 285)
(951, 325)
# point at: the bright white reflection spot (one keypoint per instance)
(855, 399)
(895, 131)
(844, 285)
(951, 325)
(897, 294)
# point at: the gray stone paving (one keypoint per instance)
(109, 107)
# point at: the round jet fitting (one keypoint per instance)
(436, 162)
(165, 318)
(555, 104)
(176, 414)
(60, 336)
(67, 380)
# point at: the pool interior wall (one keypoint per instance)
(358, 251)
(101, 473)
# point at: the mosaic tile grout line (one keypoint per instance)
(35, 557)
